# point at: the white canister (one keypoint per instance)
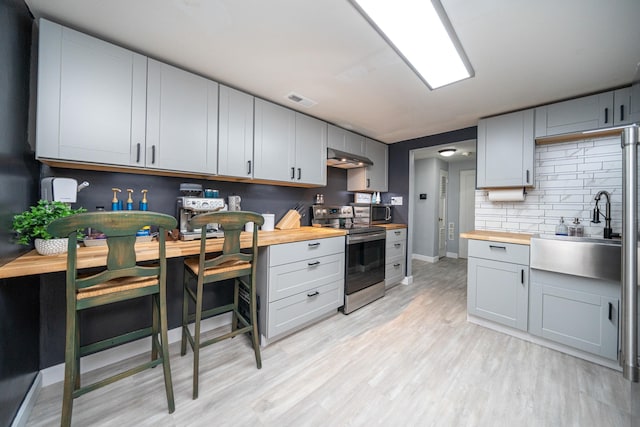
(248, 227)
(269, 222)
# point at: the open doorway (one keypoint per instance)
(429, 237)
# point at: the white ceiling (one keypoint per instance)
(524, 53)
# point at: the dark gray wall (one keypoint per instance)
(18, 176)
(399, 164)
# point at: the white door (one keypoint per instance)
(467, 208)
(442, 211)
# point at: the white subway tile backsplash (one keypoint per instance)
(568, 176)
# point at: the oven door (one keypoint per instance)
(365, 261)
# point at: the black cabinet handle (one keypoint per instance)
(397, 233)
(504, 248)
(610, 311)
(248, 167)
(606, 115)
(527, 176)
(138, 153)
(522, 276)
(293, 173)
(397, 245)
(368, 183)
(153, 154)
(621, 112)
(313, 245)
(313, 264)
(313, 294)
(299, 173)
(396, 265)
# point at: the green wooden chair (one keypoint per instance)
(123, 279)
(231, 264)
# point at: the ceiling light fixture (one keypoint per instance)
(420, 32)
(447, 152)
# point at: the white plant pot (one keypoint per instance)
(51, 246)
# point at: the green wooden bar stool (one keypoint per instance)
(123, 279)
(232, 264)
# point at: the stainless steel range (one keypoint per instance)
(365, 255)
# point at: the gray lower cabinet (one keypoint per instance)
(395, 257)
(575, 311)
(299, 283)
(498, 282)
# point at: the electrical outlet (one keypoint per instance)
(396, 201)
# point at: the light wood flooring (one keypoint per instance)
(408, 359)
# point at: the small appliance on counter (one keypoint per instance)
(61, 189)
(366, 213)
(192, 203)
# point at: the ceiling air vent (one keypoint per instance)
(301, 100)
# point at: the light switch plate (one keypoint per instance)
(396, 201)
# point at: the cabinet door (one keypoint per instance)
(344, 140)
(311, 150)
(498, 291)
(622, 109)
(274, 142)
(371, 178)
(235, 143)
(182, 120)
(575, 115)
(582, 320)
(91, 99)
(506, 150)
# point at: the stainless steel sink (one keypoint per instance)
(577, 256)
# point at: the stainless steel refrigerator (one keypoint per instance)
(629, 321)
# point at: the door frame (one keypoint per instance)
(464, 243)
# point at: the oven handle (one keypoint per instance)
(365, 237)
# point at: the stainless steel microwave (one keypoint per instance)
(372, 213)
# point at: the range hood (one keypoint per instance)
(343, 160)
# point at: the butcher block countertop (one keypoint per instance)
(96, 256)
(392, 226)
(498, 236)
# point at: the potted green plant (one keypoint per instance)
(31, 225)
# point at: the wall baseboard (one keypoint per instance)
(452, 255)
(55, 374)
(430, 259)
(408, 280)
(29, 401)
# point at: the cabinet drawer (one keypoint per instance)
(291, 312)
(394, 272)
(293, 278)
(308, 249)
(395, 250)
(507, 252)
(396, 235)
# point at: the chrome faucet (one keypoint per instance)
(607, 214)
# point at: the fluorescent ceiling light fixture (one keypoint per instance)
(447, 152)
(420, 32)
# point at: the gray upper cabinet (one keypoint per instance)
(182, 110)
(289, 146)
(371, 178)
(506, 150)
(344, 140)
(600, 111)
(91, 99)
(311, 151)
(274, 142)
(235, 133)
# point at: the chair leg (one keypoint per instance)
(70, 368)
(168, 384)
(185, 314)
(236, 292)
(196, 337)
(155, 303)
(255, 338)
